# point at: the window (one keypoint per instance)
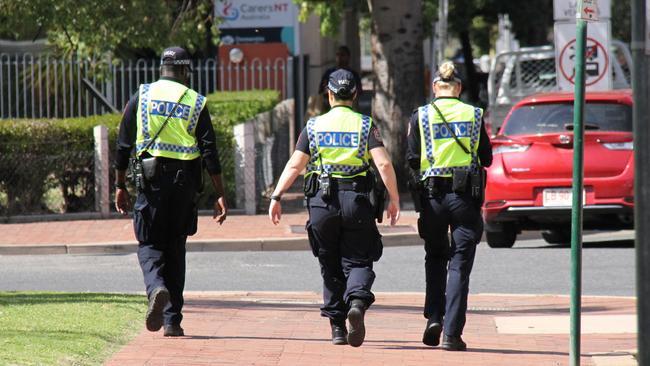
(558, 117)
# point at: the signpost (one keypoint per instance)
(598, 57)
(641, 90)
(565, 10)
(586, 10)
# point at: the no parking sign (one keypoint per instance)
(598, 74)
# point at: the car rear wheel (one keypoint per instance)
(505, 238)
(557, 236)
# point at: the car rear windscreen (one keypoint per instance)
(558, 117)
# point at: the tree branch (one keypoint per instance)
(177, 22)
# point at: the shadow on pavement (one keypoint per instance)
(610, 244)
(518, 352)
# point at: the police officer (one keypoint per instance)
(170, 128)
(447, 148)
(337, 148)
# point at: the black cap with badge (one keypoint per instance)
(176, 56)
(342, 83)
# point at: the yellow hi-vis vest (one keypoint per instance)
(177, 140)
(338, 143)
(440, 155)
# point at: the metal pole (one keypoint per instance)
(443, 12)
(641, 92)
(576, 211)
(433, 64)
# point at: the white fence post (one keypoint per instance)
(245, 167)
(102, 189)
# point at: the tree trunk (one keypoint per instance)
(471, 83)
(351, 35)
(398, 67)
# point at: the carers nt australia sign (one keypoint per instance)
(256, 13)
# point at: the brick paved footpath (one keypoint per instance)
(286, 329)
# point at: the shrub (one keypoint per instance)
(36, 155)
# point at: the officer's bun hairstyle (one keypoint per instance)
(447, 77)
(447, 70)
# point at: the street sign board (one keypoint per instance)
(566, 10)
(598, 74)
(588, 11)
(256, 13)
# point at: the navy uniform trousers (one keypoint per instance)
(344, 236)
(164, 214)
(448, 265)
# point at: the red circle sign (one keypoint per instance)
(592, 49)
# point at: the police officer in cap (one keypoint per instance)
(447, 148)
(169, 126)
(336, 148)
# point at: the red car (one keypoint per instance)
(529, 182)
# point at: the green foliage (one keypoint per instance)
(330, 13)
(228, 109)
(45, 328)
(103, 27)
(622, 20)
(39, 155)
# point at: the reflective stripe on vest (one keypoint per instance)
(340, 144)
(438, 132)
(177, 140)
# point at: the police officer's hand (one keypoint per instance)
(392, 212)
(220, 210)
(122, 201)
(275, 212)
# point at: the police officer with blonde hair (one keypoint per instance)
(336, 148)
(447, 149)
(169, 126)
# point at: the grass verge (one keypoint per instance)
(49, 328)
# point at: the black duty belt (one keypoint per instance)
(351, 184)
(172, 165)
(439, 183)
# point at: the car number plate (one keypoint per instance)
(559, 197)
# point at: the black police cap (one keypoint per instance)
(342, 83)
(176, 56)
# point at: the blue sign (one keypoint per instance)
(337, 139)
(461, 129)
(164, 108)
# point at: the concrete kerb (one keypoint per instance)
(216, 245)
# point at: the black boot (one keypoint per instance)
(357, 328)
(431, 336)
(450, 343)
(173, 330)
(157, 302)
(339, 332)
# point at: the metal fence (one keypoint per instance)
(48, 87)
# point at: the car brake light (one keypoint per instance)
(619, 145)
(501, 149)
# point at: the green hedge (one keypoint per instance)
(38, 156)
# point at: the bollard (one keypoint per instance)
(245, 167)
(102, 186)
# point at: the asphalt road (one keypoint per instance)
(530, 267)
